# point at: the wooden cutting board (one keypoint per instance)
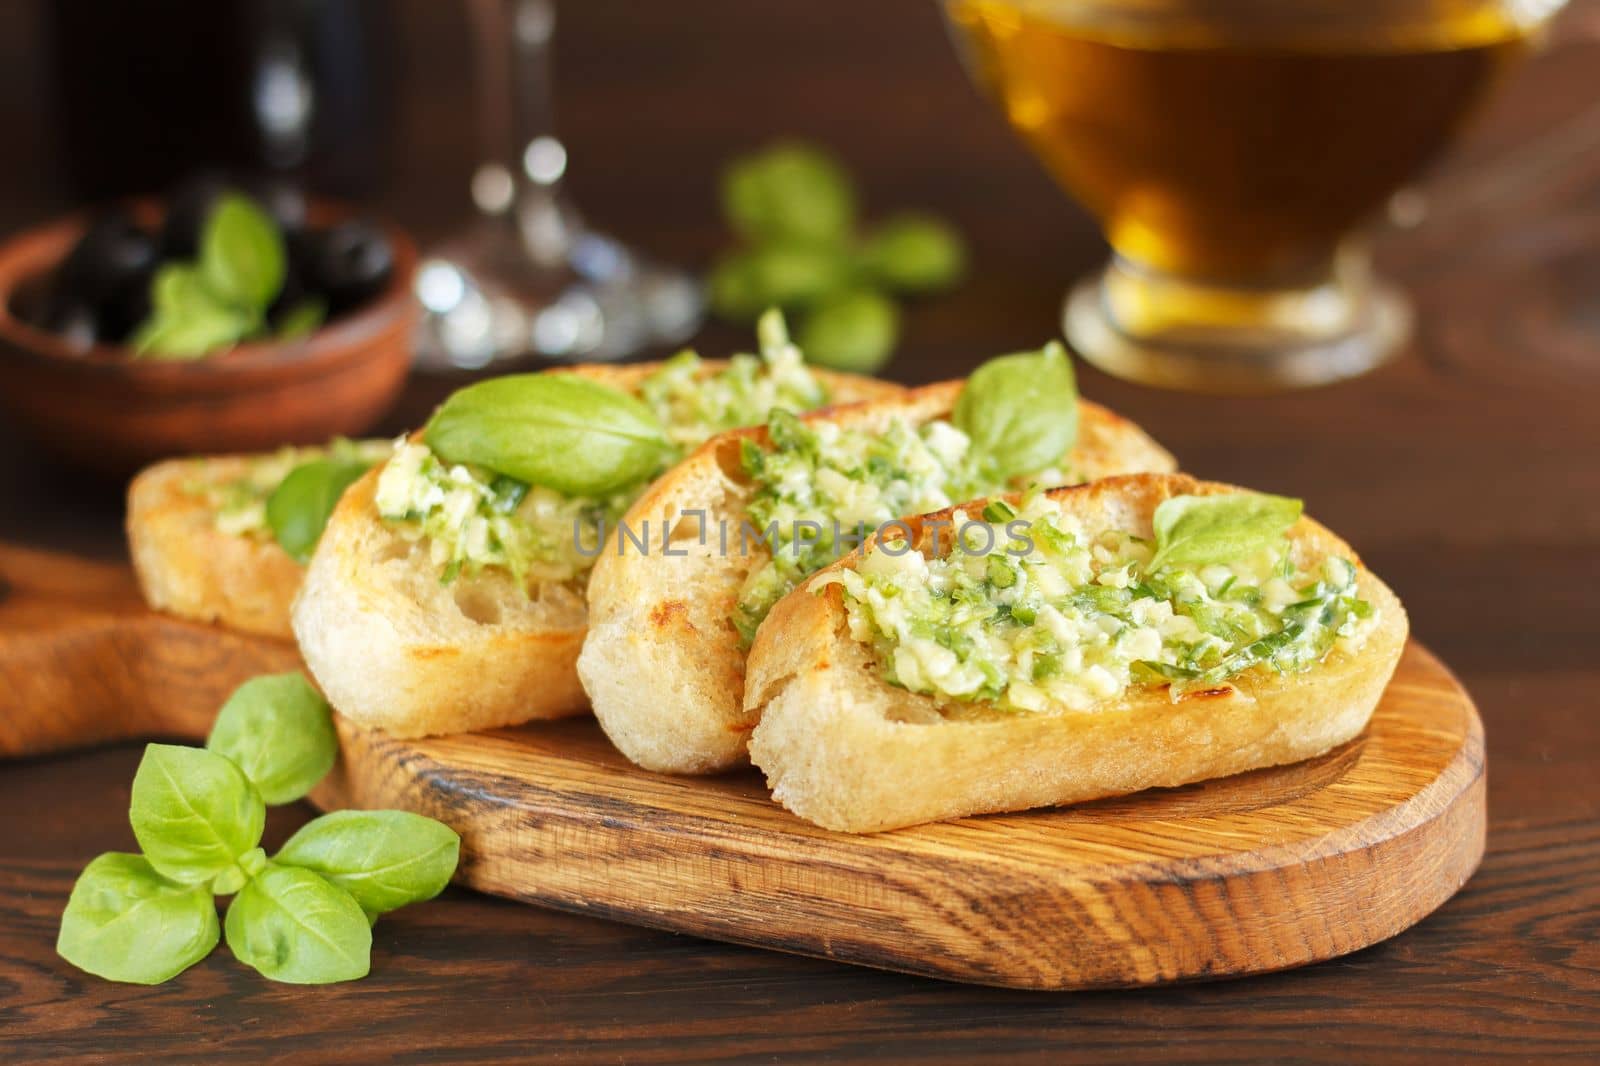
(1258, 872)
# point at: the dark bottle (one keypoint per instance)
(152, 92)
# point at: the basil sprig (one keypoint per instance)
(1200, 530)
(1021, 412)
(303, 916)
(186, 321)
(222, 298)
(561, 431)
(801, 248)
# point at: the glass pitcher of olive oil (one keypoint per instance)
(1232, 151)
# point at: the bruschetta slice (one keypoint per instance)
(1138, 632)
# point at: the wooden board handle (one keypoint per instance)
(83, 661)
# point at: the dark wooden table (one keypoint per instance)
(1467, 473)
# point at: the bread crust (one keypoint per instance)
(393, 648)
(662, 663)
(845, 750)
(188, 567)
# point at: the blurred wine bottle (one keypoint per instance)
(148, 93)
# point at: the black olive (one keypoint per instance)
(348, 264)
(112, 250)
(107, 272)
(119, 315)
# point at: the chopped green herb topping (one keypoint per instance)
(474, 518)
(240, 504)
(1068, 617)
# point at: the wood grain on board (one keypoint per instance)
(1260, 871)
(83, 661)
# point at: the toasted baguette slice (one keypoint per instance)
(393, 647)
(662, 664)
(188, 567)
(844, 749)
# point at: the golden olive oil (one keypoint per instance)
(1236, 142)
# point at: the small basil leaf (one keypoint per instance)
(790, 192)
(177, 289)
(193, 811)
(302, 320)
(385, 859)
(564, 432)
(797, 275)
(241, 254)
(192, 334)
(915, 253)
(1021, 412)
(853, 331)
(299, 508)
(125, 922)
(292, 925)
(1200, 530)
(279, 731)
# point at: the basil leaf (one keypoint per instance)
(793, 274)
(125, 922)
(241, 254)
(279, 731)
(1200, 530)
(199, 332)
(385, 859)
(299, 508)
(302, 320)
(177, 290)
(187, 321)
(1021, 412)
(915, 253)
(193, 812)
(291, 925)
(564, 432)
(854, 331)
(790, 192)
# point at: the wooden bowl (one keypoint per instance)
(101, 409)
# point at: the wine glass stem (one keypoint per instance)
(520, 177)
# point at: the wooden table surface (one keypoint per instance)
(1466, 473)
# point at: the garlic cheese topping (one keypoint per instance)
(695, 406)
(239, 506)
(473, 519)
(853, 480)
(1031, 612)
